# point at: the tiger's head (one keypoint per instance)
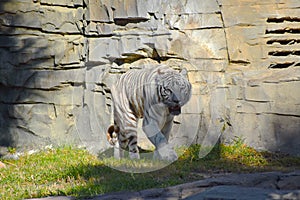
(174, 89)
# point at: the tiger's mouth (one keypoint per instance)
(175, 110)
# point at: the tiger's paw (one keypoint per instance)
(165, 153)
(134, 155)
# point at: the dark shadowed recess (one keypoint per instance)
(17, 73)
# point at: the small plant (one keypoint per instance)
(11, 150)
(238, 142)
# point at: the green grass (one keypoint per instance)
(75, 172)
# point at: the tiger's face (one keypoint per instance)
(175, 90)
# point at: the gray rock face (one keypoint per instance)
(59, 58)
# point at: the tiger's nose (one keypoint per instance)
(175, 99)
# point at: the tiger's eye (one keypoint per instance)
(168, 91)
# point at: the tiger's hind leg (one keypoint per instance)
(118, 151)
(126, 120)
(127, 136)
(133, 148)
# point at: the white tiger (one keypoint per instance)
(154, 94)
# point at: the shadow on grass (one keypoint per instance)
(100, 179)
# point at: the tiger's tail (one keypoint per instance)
(112, 134)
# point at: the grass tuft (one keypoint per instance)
(75, 172)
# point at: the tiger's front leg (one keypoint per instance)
(163, 150)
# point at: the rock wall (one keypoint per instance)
(58, 60)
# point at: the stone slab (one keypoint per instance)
(243, 193)
(224, 187)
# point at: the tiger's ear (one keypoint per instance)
(160, 72)
(184, 72)
(158, 79)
